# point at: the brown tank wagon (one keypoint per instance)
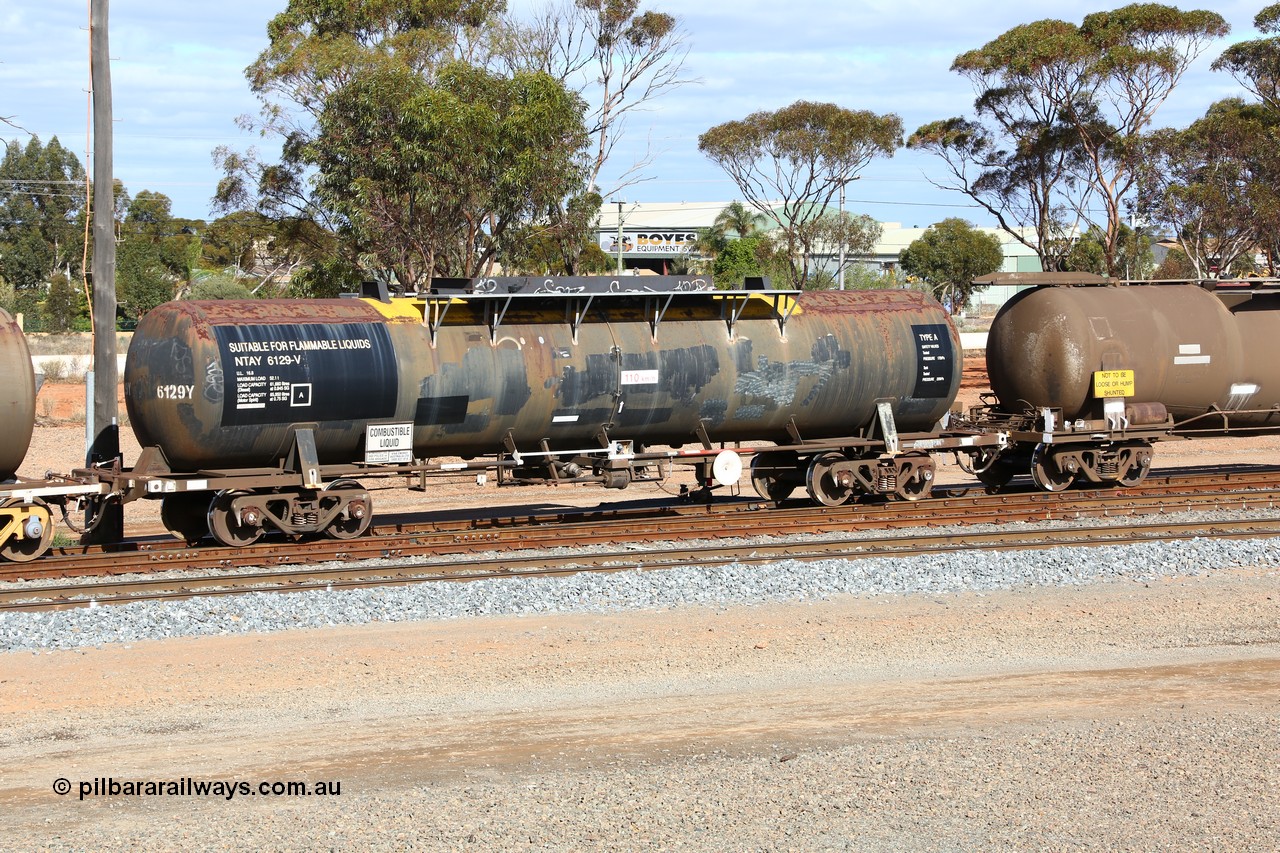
(1086, 377)
(26, 506)
(26, 527)
(17, 396)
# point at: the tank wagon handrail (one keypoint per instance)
(1045, 279)
(560, 285)
(1257, 285)
(495, 306)
(735, 302)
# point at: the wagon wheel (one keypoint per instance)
(185, 515)
(359, 516)
(997, 476)
(919, 484)
(1137, 473)
(768, 484)
(37, 532)
(990, 466)
(823, 487)
(1045, 474)
(223, 523)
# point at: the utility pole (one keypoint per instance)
(620, 203)
(840, 268)
(102, 427)
(844, 230)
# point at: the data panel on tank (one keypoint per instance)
(934, 359)
(281, 374)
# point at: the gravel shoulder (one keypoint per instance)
(1122, 715)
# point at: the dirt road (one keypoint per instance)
(1119, 716)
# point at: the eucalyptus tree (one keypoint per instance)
(400, 137)
(1062, 110)
(1216, 184)
(157, 252)
(1256, 64)
(64, 308)
(949, 256)
(229, 243)
(616, 56)
(791, 164)
(856, 236)
(1018, 161)
(429, 177)
(560, 240)
(315, 48)
(1133, 256)
(42, 214)
(267, 256)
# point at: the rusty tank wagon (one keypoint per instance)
(26, 527)
(574, 385)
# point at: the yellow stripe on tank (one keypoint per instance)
(399, 308)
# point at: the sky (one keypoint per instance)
(178, 86)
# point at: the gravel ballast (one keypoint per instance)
(972, 571)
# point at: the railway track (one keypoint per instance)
(565, 533)
(573, 527)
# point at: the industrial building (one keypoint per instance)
(652, 235)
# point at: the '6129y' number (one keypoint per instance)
(175, 392)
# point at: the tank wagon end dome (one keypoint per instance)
(17, 396)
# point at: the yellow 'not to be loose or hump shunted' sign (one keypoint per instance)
(1113, 383)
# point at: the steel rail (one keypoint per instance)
(346, 577)
(597, 525)
(593, 526)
